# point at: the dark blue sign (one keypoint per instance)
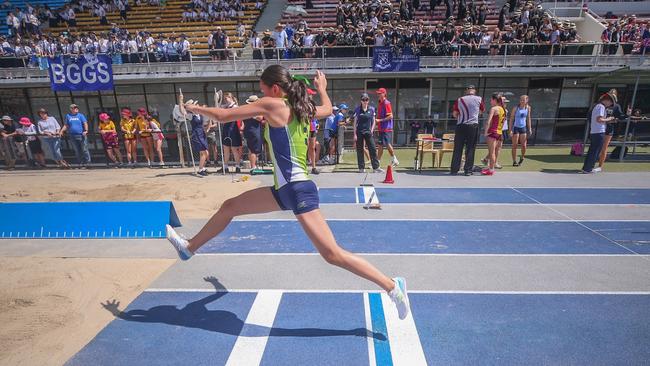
(84, 73)
(386, 59)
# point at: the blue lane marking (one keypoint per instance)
(323, 329)
(632, 235)
(450, 195)
(383, 355)
(493, 329)
(337, 195)
(171, 328)
(446, 237)
(77, 220)
(588, 195)
(494, 195)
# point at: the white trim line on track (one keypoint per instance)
(583, 225)
(369, 337)
(490, 204)
(248, 350)
(482, 187)
(405, 346)
(568, 219)
(425, 255)
(478, 292)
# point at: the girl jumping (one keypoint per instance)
(287, 108)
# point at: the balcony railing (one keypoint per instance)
(359, 59)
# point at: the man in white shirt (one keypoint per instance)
(599, 119)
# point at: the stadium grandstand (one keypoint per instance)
(561, 54)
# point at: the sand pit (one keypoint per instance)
(193, 197)
(51, 307)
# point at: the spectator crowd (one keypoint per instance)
(523, 27)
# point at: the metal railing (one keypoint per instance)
(347, 59)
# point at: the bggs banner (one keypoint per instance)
(386, 59)
(84, 73)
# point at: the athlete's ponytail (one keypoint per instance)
(302, 106)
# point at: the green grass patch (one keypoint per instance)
(538, 159)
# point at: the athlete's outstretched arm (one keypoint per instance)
(325, 109)
(225, 115)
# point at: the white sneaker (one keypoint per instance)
(179, 243)
(394, 161)
(379, 170)
(400, 297)
(598, 169)
(362, 170)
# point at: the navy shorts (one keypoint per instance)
(253, 141)
(519, 130)
(385, 138)
(300, 197)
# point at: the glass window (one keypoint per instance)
(129, 89)
(11, 92)
(506, 82)
(545, 103)
(49, 104)
(40, 92)
(247, 86)
(15, 106)
(439, 82)
(226, 86)
(159, 88)
(438, 108)
(349, 97)
(575, 98)
(462, 82)
(162, 105)
(348, 83)
(130, 101)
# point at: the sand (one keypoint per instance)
(193, 197)
(51, 307)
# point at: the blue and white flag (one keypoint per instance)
(81, 74)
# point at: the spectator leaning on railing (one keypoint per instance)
(51, 135)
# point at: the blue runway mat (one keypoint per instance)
(498, 329)
(201, 328)
(78, 220)
(491, 195)
(334, 331)
(444, 237)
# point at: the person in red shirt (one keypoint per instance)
(385, 122)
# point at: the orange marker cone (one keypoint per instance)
(389, 175)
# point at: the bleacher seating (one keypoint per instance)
(53, 4)
(324, 13)
(166, 20)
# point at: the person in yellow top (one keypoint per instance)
(128, 127)
(109, 137)
(494, 130)
(158, 138)
(144, 134)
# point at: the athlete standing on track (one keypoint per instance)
(288, 110)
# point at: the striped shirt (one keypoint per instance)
(468, 108)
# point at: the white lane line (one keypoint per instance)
(248, 350)
(369, 337)
(477, 292)
(581, 224)
(405, 345)
(631, 255)
(454, 219)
